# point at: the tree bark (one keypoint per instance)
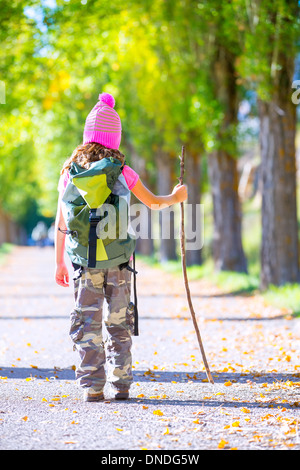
(279, 249)
(144, 246)
(228, 251)
(193, 215)
(167, 249)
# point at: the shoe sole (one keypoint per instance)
(93, 398)
(122, 396)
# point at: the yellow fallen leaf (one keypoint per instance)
(222, 444)
(158, 412)
(235, 424)
(25, 418)
(167, 431)
(141, 395)
(119, 429)
(245, 410)
(228, 383)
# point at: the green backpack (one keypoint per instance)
(95, 207)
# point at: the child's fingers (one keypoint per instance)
(62, 281)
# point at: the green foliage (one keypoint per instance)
(21, 74)
(270, 30)
(287, 296)
(5, 249)
(156, 57)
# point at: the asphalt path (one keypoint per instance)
(251, 347)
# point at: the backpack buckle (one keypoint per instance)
(93, 217)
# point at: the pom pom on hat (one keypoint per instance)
(107, 99)
(103, 124)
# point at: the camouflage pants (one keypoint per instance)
(99, 328)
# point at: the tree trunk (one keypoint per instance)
(228, 251)
(167, 249)
(144, 246)
(279, 250)
(227, 242)
(193, 214)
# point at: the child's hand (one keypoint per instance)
(62, 275)
(180, 192)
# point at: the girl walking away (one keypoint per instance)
(94, 191)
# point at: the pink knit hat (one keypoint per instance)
(103, 124)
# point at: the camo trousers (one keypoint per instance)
(99, 328)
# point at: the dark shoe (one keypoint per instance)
(93, 396)
(122, 395)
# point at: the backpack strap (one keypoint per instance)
(93, 219)
(136, 325)
(132, 269)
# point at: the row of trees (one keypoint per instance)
(178, 71)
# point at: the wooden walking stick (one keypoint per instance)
(186, 282)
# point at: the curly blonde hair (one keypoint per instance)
(85, 154)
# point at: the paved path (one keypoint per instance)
(252, 350)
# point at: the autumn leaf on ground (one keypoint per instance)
(245, 410)
(228, 383)
(222, 444)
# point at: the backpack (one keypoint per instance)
(95, 207)
(89, 195)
